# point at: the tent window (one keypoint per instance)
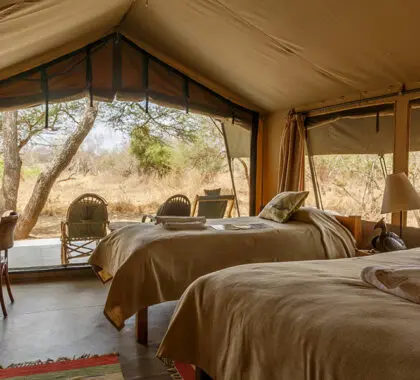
(115, 68)
(351, 156)
(413, 217)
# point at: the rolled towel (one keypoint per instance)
(184, 226)
(401, 281)
(180, 219)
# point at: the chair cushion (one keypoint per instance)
(283, 205)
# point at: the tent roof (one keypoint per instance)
(271, 54)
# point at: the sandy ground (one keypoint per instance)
(128, 197)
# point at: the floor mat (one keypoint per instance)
(105, 367)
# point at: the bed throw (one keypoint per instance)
(180, 219)
(184, 226)
(401, 281)
(333, 234)
(149, 264)
(313, 320)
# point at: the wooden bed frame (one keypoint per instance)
(353, 223)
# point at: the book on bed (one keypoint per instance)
(240, 226)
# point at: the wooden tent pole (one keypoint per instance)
(401, 146)
(315, 184)
(230, 168)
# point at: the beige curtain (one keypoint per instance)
(292, 154)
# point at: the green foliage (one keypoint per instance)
(166, 139)
(152, 154)
(209, 159)
(1, 167)
(168, 124)
(206, 154)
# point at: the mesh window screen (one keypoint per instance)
(350, 155)
(413, 217)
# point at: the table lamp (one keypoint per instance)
(400, 195)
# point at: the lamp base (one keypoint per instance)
(401, 223)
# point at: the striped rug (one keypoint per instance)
(180, 371)
(106, 367)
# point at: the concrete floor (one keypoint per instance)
(34, 253)
(55, 319)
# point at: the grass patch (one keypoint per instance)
(31, 171)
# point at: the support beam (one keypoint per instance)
(401, 144)
(253, 165)
(230, 168)
(259, 186)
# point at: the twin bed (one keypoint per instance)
(297, 320)
(149, 264)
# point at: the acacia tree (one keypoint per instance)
(163, 123)
(19, 128)
(153, 135)
(69, 122)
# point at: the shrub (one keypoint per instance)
(151, 153)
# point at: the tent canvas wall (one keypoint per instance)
(268, 56)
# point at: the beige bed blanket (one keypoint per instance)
(150, 264)
(315, 320)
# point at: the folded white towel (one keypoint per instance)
(401, 281)
(180, 219)
(184, 226)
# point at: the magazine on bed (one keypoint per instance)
(240, 226)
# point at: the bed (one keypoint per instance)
(149, 264)
(307, 320)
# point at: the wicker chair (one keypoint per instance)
(7, 226)
(86, 222)
(177, 205)
(213, 206)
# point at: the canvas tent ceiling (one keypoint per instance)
(272, 54)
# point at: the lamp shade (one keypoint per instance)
(400, 194)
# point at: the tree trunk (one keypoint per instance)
(12, 160)
(245, 166)
(48, 177)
